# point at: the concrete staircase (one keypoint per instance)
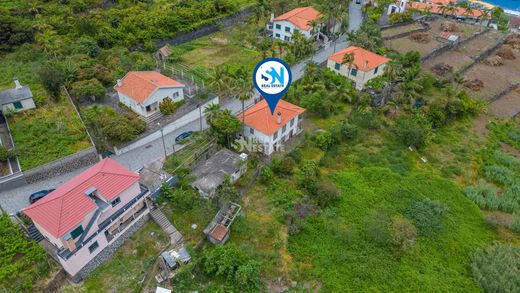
(34, 233)
(150, 119)
(175, 236)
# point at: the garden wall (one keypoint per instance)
(167, 129)
(449, 47)
(206, 29)
(426, 27)
(483, 55)
(65, 165)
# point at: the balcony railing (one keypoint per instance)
(66, 253)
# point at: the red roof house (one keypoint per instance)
(300, 17)
(272, 129)
(87, 213)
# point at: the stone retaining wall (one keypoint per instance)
(504, 92)
(449, 47)
(483, 55)
(426, 27)
(109, 250)
(64, 165)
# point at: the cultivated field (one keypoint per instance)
(465, 53)
(507, 106)
(401, 29)
(495, 78)
(406, 44)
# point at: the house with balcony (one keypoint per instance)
(299, 19)
(88, 217)
(143, 91)
(268, 132)
(361, 67)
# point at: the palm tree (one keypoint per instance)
(468, 11)
(280, 45)
(264, 46)
(452, 10)
(243, 90)
(485, 15)
(220, 79)
(314, 25)
(443, 9)
(459, 79)
(212, 111)
(349, 60)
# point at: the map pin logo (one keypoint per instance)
(272, 78)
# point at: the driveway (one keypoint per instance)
(16, 199)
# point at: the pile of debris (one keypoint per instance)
(442, 68)
(474, 84)
(506, 52)
(494, 61)
(513, 41)
(448, 26)
(420, 37)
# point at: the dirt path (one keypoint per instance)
(479, 125)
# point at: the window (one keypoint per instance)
(287, 29)
(116, 202)
(18, 105)
(251, 130)
(278, 36)
(175, 94)
(353, 72)
(292, 122)
(93, 247)
(76, 232)
(278, 27)
(337, 66)
(286, 38)
(275, 135)
(284, 128)
(375, 70)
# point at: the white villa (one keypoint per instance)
(143, 91)
(272, 131)
(298, 19)
(365, 65)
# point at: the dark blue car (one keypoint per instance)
(39, 195)
(183, 136)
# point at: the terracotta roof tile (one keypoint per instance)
(434, 8)
(300, 17)
(364, 60)
(139, 85)
(66, 207)
(260, 118)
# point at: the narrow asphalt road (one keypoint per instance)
(16, 199)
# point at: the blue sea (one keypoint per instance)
(506, 4)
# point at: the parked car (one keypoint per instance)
(183, 136)
(39, 195)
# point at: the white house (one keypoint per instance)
(17, 99)
(398, 7)
(272, 131)
(143, 91)
(365, 65)
(299, 19)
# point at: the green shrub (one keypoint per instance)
(402, 233)
(344, 130)
(427, 215)
(325, 193)
(499, 174)
(91, 88)
(323, 140)
(515, 226)
(484, 195)
(266, 175)
(167, 106)
(495, 268)
(413, 130)
(4, 154)
(506, 160)
(287, 165)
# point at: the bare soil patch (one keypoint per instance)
(401, 29)
(420, 37)
(474, 84)
(505, 107)
(442, 69)
(495, 79)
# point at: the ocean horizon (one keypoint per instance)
(506, 4)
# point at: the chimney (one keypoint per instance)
(272, 17)
(366, 63)
(279, 118)
(17, 83)
(119, 83)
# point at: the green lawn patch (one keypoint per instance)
(47, 133)
(347, 246)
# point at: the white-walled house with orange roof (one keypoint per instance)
(89, 216)
(272, 130)
(365, 66)
(298, 19)
(143, 91)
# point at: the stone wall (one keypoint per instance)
(449, 47)
(206, 29)
(109, 250)
(483, 55)
(64, 165)
(426, 27)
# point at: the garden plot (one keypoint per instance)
(495, 78)
(406, 44)
(465, 53)
(401, 29)
(507, 106)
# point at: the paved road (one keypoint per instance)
(355, 16)
(16, 199)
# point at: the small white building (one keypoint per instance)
(299, 19)
(143, 91)
(272, 131)
(16, 99)
(365, 65)
(398, 7)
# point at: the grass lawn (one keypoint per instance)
(123, 271)
(47, 133)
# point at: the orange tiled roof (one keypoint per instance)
(139, 85)
(434, 8)
(442, 2)
(260, 118)
(300, 17)
(364, 60)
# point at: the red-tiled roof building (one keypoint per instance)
(88, 213)
(306, 20)
(272, 131)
